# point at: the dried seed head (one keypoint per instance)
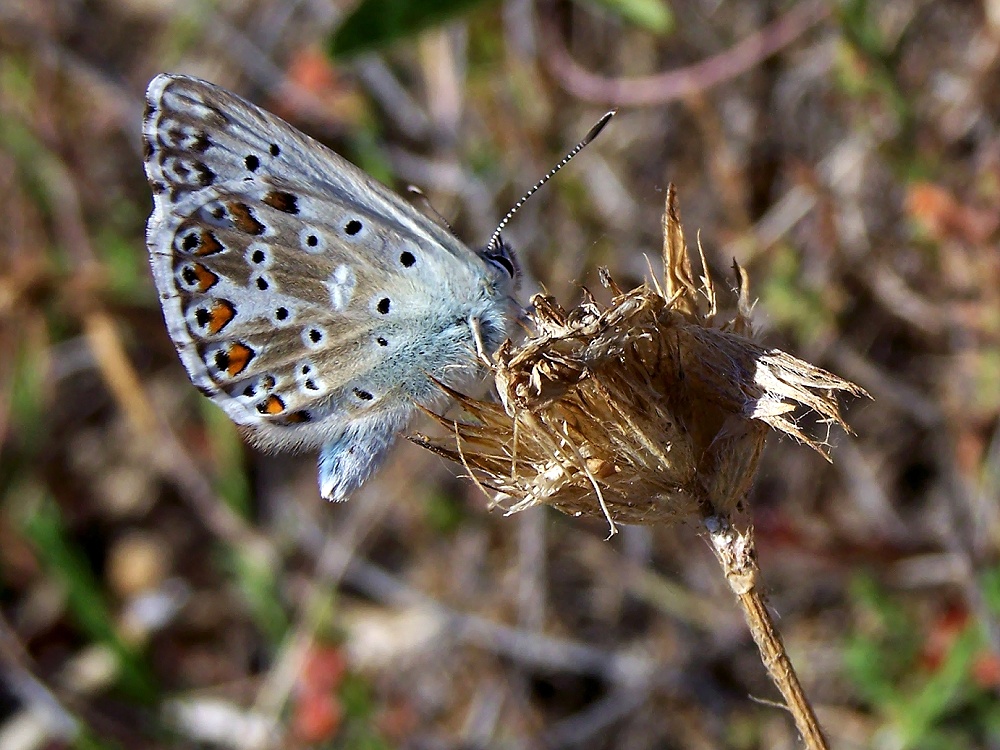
(645, 410)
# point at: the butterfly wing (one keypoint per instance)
(306, 299)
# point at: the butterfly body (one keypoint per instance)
(314, 305)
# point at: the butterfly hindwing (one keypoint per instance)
(306, 299)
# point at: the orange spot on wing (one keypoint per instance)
(206, 279)
(221, 312)
(271, 405)
(209, 245)
(239, 357)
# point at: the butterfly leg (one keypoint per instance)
(477, 336)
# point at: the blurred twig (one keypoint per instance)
(39, 700)
(332, 561)
(676, 84)
(522, 646)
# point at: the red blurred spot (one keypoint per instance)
(312, 71)
(945, 217)
(986, 670)
(318, 713)
(323, 670)
(316, 717)
(313, 90)
(941, 636)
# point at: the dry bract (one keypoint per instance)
(647, 410)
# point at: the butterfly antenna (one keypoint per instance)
(591, 135)
(418, 193)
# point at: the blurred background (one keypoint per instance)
(163, 585)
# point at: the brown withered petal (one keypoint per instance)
(647, 410)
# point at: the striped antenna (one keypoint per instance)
(591, 135)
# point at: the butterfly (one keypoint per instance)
(310, 302)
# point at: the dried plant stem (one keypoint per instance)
(736, 553)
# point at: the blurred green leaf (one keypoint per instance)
(791, 304)
(29, 158)
(28, 395)
(989, 582)
(365, 151)
(259, 583)
(227, 448)
(376, 23)
(868, 68)
(986, 373)
(885, 648)
(443, 513)
(651, 15)
(64, 561)
(125, 272)
(922, 706)
(356, 696)
(87, 740)
(359, 732)
(927, 707)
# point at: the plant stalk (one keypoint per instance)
(736, 553)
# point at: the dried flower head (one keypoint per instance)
(647, 410)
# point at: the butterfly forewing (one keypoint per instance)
(304, 297)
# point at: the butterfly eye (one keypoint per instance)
(502, 256)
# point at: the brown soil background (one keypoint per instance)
(151, 564)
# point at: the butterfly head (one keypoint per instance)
(502, 261)
(497, 253)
